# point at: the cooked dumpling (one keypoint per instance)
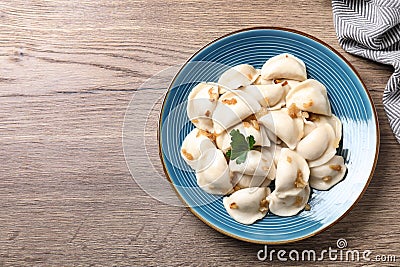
(258, 169)
(213, 173)
(246, 128)
(291, 184)
(310, 96)
(292, 172)
(240, 75)
(336, 125)
(314, 120)
(271, 96)
(194, 145)
(256, 163)
(320, 142)
(247, 205)
(281, 124)
(284, 66)
(232, 107)
(202, 101)
(319, 146)
(327, 175)
(288, 203)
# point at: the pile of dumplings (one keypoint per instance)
(295, 133)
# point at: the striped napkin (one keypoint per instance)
(371, 29)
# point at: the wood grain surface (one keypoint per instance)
(68, 70)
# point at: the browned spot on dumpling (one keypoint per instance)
(264, 205)
(294, 111)
(305, 114)
(187, 154)
(307, 207)
(284, 83)
(206, 133)
(300, 183)
(208, 113)
(195, 121)
(336, 167)
(276, 81)
(289, 159)
(213, 96)
(233, 205)
(249, 76)
(327, 178)
(246, 124)
(231, 101)
(308, 104)
(299, 201)
(236, 188)
(251, 117)
(255, 124)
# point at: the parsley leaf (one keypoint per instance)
(251, 141)
(240, 146)
(228, 153)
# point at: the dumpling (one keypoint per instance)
(271, 96)
(247, 205)
(284, 66)
(240, 75)
(284, 126)
(292, 190)
(288, 203)
(310, 96)
(195, 144)
(202, 101)
(212, 173)
(256, 164)
(292, 171)
(318, 146)
(327, 175)
(223, 140)
(314, 120)
(232, 107)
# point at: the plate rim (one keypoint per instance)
(264, 242)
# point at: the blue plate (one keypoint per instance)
(350, 101)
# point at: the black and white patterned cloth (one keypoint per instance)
(371, 29)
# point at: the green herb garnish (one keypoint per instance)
(240, 145)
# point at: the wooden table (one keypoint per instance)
(68, 71)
